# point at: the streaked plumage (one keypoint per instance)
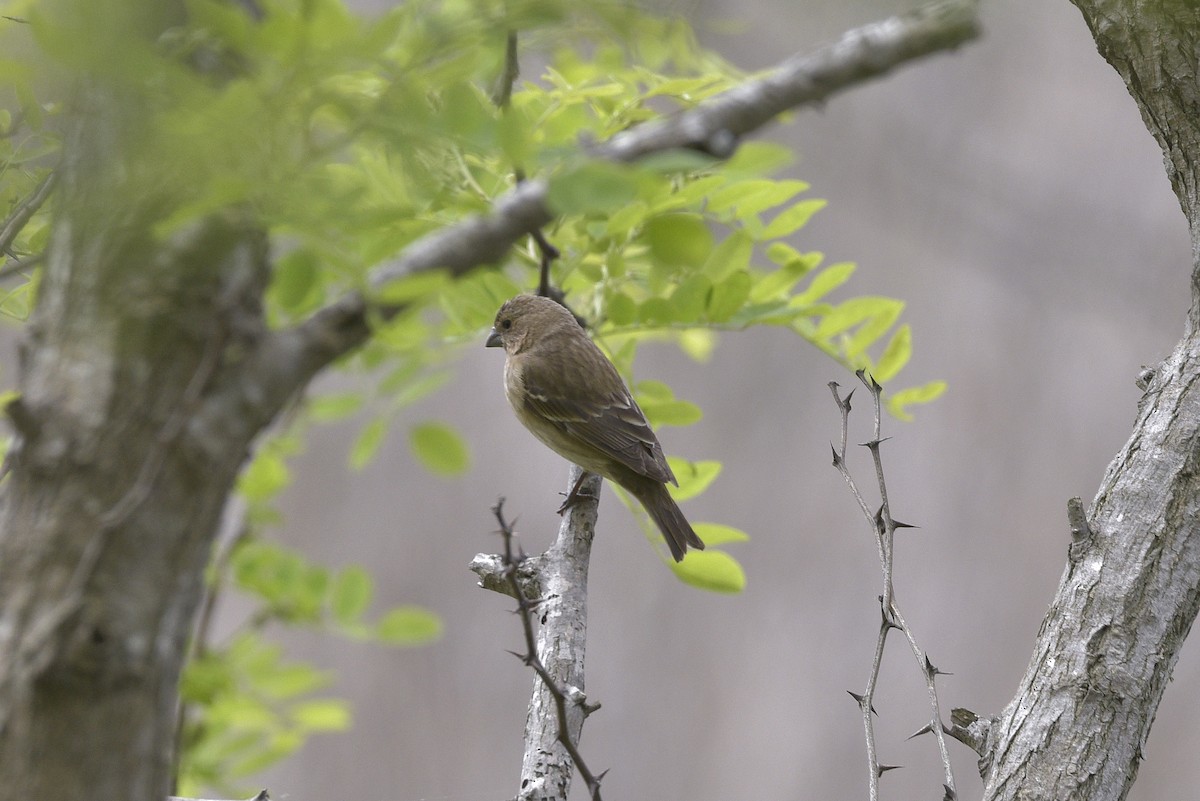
(571, 397)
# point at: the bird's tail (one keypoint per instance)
(667, 515)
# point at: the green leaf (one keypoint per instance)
(728, 297)
(595, 187)
(854, 311)
(325, 714)
(621, 309)
(715, 571)
(690, 298)
(409, 625)
(350, 594)
(412, 287)
(290, 680)
(663, 408)
(264, 477)
(367, 443)
(678, 239)
(294, 279)
(895, 355)
(898, 403)
(792, 219)
(825, 282)
(718, 534)
(886, 312)
(693, 477)
(729, 257)
(676, 160)
(336, 406)
(759, 158)
(698, 343)
(439, 448)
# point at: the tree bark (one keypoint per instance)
(1131, 588)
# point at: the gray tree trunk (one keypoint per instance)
(1131, 588)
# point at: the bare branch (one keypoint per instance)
(884, 526)
(562, 695)
(859, 56)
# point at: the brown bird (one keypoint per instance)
(566, 391)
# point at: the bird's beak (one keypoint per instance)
(493, 340)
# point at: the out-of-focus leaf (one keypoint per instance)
(439, 448)
(715, 571)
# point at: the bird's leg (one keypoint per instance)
(574, 496)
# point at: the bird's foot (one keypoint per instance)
(575, 495)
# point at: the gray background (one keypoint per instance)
(1011, 195)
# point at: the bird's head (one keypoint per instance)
(525, 317)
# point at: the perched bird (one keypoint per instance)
(566, 391)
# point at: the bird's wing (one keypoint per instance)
(593, 405)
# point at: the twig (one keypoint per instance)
(24, 211)
(502, 93)
(502, 96)
(884, 526)
(525, 607)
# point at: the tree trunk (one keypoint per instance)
(133, 420)
(1131, 589)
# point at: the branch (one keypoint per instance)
(558, 705)
(884, 526)
(713, 126)
(262, 796)
(24, 210)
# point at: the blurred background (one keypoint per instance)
(1011, 195)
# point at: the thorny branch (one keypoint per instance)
(525, 607)
(884, 527)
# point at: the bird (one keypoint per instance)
(571, 397)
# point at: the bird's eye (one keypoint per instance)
(506, 324)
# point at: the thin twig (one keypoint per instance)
(24, 210)
(502, 93)
(884, 526)
(525, 607)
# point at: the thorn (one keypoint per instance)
(898, 524)
(932, 669)
(837, 459)
(950, 794)
(862, 700)
(882, 769)
(603, 773)
(926, 729)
